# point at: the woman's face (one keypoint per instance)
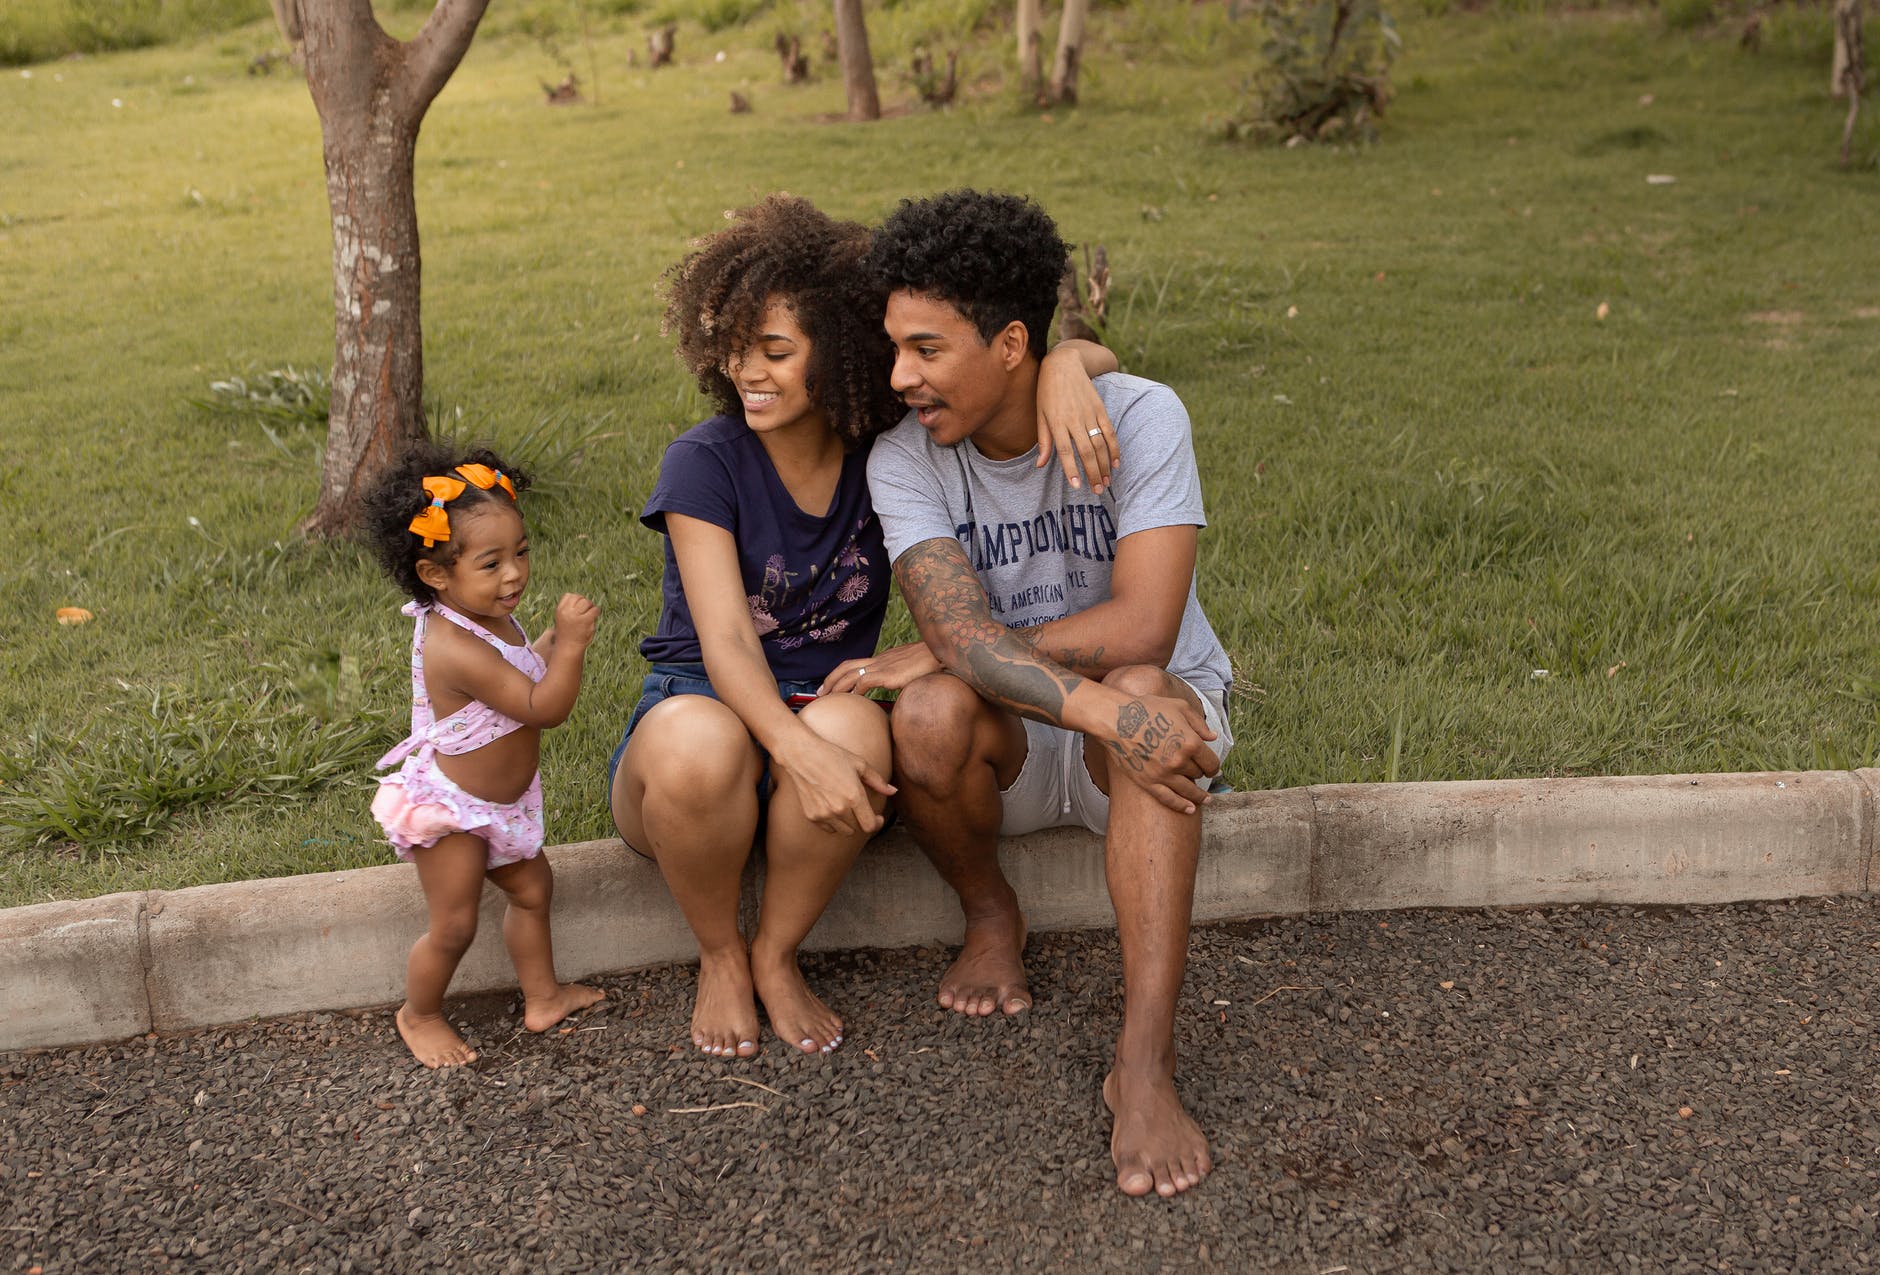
(772, 377)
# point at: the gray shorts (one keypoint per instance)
(1054, 787)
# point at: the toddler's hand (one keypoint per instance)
(575, 618)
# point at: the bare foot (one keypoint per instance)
(724, 1017)
(433, 1041)
(989, 972)
(796, 1015)
(1155, 1144)
(569, 998)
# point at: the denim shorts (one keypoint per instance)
(663, 682)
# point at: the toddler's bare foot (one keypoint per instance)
(724, 1017)
(569, 998)
(433, 1041)
(800, 1020)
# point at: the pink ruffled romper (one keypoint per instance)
(418, 805)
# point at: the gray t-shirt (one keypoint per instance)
(1042, 548)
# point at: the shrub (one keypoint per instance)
(1327, 73)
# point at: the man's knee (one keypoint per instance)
(933, 723)
(1137, 680)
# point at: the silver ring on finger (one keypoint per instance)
(860, 673)
(1095, 432)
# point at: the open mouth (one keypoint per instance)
(756, 401)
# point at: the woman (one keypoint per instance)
(775, 574)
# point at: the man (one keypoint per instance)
(1066, 673)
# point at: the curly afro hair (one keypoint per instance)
(993, 257)
(784, 248)
(398, 496)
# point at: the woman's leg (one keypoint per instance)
(546, 1000)
(685, 793)
(803, 866)
(451, 873)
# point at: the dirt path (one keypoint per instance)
(1575, 1090)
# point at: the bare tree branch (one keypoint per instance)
(435, 52)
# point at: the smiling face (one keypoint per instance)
(772, 376)
(487, 578)
(959, 385)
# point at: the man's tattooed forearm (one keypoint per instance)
(949, 605)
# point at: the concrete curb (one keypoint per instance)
(108, 968)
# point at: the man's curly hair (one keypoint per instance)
(398, 496)
(785, 248)
(993, 257)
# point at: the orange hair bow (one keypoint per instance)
(434, 523)
(485, 477)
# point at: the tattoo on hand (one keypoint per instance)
(1143, 739)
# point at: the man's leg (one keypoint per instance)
(953, 754)
(1149, 858)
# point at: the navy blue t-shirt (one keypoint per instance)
(817, 586)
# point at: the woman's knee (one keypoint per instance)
(693, 746)
(855, 722)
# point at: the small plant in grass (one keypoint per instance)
(156, 755)
(1327, 73)
(551, 450)
(288, 395)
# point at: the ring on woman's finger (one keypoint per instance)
(861, 673)
(1095, 432)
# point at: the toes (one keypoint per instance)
(1135, 1181)
(747, 1048)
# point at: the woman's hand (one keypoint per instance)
(889, 670)
(832, 784)
(1072, 422)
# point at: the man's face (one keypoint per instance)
(952, 379)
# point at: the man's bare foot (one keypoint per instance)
(433, 1041)
(989, 972)
(724, 1017)
(800, 1020)
(569, 998)
(1155, 1144)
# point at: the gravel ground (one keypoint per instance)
(1581, 1089)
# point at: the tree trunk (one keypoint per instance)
(858, 67)
(1846, 20)
(1070, 51)
(371, 93)
(1031, 48)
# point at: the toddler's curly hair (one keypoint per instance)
(786, 248)
(993, 257)
(398, 496)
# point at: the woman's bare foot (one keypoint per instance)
(569, 998)
(800, 1020)
(989, 972)
(724, 1017)
(433, 1041)
(1154, 1142)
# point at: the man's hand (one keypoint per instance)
(891, 670)
(575, 618)
(1160, 746)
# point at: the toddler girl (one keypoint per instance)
(467, 803)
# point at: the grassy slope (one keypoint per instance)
(1445, 472)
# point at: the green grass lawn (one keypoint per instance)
(1433, 469)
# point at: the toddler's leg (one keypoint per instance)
(451, 873)
(530, 886)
